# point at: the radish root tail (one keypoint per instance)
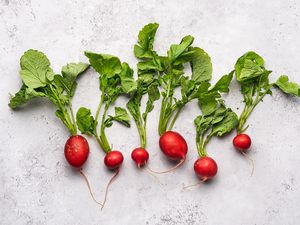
(149, 172)
(89, 187)
(107, 186)
(166, 171)
(197, 184)
(250, 160)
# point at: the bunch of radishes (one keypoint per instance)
(158, 77)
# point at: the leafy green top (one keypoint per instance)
(39, 80)
(254, 79)
(169, 71)
(216, 119)
(115, 79)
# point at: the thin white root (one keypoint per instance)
(249, 160)
(153, 175)
(89, 187)
(194, 185)
(166, 171)
(107, 186)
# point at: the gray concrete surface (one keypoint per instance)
(38, 187)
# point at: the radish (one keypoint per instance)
(76, 150)
(115, 78)
(216, 120)
(205, 167)
(39, 80)
(253, 77)
(173, 145)
(140, 156)
(147, 83)
(113, 159)
(242, 142)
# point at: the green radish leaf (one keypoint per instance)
(153, 95)
(23, 96)
(105, 65)
(223, 84)
(188, 87)
(153, 92)
(133, 106)
(146, 65)
(127, 81)
(208, 103)
(203, 123)
(249, 66)
(121, 116)
(70, 72)
(226, 125)
(177, 49)
(185, 57)
(146, 36)
(35, 69)
(85, 121)
(287, 87)
(201, 66)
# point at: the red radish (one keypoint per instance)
(113, 159)
(205, 167)
(76, 153)
(140, 156)
(173, 145)
(242, 142)
(76, 150)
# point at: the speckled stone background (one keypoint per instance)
(38, 187)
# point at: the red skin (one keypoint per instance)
(205, 167)
(140, 156)
(242, 142)
(76, 150)
(173, 145)
(113, 159)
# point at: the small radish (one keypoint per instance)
(214, 121)
(173, 145)
(205, 167)
(140, 156)
(113, 159)
(242, 142)
(76, 153)
(76, 150)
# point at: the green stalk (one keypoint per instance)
(142, 134)
(99, 108)
(73, 117)
(175, 118)
(199, 143)
(105, 144)
(67, 119)
(248, 110)
(141, 126)
(161, 117)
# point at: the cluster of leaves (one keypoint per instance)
(39, 80)
(216, 119)
(169, 71)
(149, 87)
(115, 79)
(148, 68)
(254, 79)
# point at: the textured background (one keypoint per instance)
(38, 187)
